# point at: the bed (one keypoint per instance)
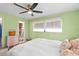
(36, 47)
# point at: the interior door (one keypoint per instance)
(0, 32)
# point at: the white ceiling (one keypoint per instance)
(47, 8)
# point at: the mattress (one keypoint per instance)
(36, 47)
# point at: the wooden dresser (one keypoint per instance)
(12, 39)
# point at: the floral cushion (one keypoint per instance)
(65, 45)
(70, 47)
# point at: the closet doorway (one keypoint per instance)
(0, 32)
(21, 32)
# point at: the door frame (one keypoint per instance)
(23, 25)
(2, 30)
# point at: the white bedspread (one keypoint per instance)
(36, 47)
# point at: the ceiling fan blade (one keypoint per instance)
(20, 6)
(34, 5)
(23, 12)
(37, 11)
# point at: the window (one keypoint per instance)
(54, 25)
(39, 27)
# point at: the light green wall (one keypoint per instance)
(70, 27)
(10, 22)
(26, 28)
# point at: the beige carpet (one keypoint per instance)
(3, 51)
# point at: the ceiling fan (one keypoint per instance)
(29, 9)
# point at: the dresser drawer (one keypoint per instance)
(11, 41)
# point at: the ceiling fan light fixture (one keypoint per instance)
(29, 12)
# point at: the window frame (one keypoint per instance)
(54, 20)
(45, 22)
(37, 30)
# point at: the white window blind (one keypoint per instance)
(38, 27)
(54, 25)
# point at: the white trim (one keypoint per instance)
(53, 30)
(36, 30)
